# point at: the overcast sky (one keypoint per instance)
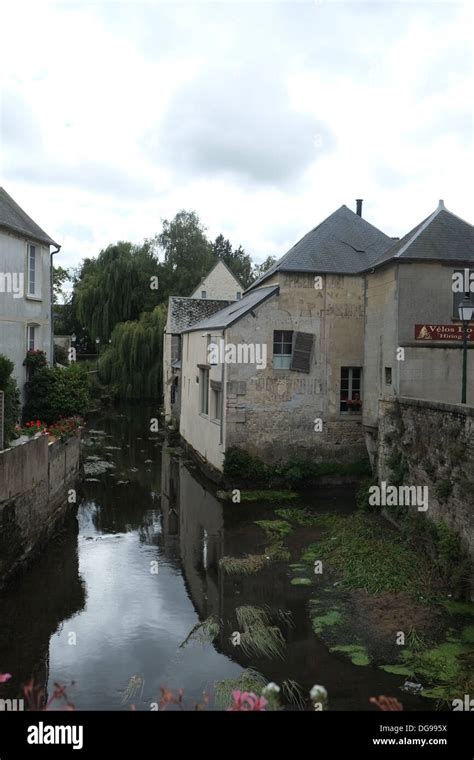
(262, 117)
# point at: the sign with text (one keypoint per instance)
(442, 332)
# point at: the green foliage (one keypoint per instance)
(60, 277)
(54, 392)
(11, 398)
(249, 680)
(35, 359)
(260, 269)
(362, 497)
(246, 496)
(237, 260)
(248, 565)
(443, 489)
(357, 653)
(368, 556)
(61, 355)
(258, 637)
(399, 467)
(275, 529)
(332, 617)
(240, 464)
(133, 360)
(115, 288)
(204, 632)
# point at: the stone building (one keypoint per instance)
(215, 291)
(413, 335)
(299, 364)
(25, 285)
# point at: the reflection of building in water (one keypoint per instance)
(206, 531)
(194, 515)
(34, 607)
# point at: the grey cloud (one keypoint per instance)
(18, 126)
(237, 122)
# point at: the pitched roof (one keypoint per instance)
(344, 243)
(441, 236)
(235, 311)
(13, 218)
(184, 312)
(219, 261)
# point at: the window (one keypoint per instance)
(301, 359)
(350, 400)
(31, 270)
(216, 400)
(239, 295)
(292, 350)
(282, 348)
(175, 347)
(31, 337)
(203, 294)
(459, 297)
(388, 375)
(204, 391)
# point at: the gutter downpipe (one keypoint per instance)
(52, 253)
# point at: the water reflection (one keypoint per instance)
(146, 510)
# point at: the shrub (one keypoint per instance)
(35, 359)
(53, 393)
(11, 400)
(61, 355)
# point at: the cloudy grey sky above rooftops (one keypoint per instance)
(264, 117)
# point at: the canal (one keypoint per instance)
(109, 607)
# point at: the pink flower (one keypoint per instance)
(245, 701)
(4, 677)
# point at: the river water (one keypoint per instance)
(108, 605)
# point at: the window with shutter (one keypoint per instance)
(302, 348)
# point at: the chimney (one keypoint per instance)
(359, 202)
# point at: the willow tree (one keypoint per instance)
(116, 287)
(133, 362)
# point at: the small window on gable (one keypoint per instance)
(239, 295)
(203, 294)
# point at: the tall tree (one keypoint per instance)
(133, 360)
(236, 259)
(260, 269)
(188, 254)
(116, 287)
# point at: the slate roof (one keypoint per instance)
(344, 243)
(185, 312)
(442, 236)
(13, 218)
(235, 311)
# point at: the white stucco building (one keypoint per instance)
(25, 285)
(215, 291)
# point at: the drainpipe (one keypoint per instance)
(52, 253)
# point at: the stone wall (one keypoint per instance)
(431, 444)
(34, 479)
